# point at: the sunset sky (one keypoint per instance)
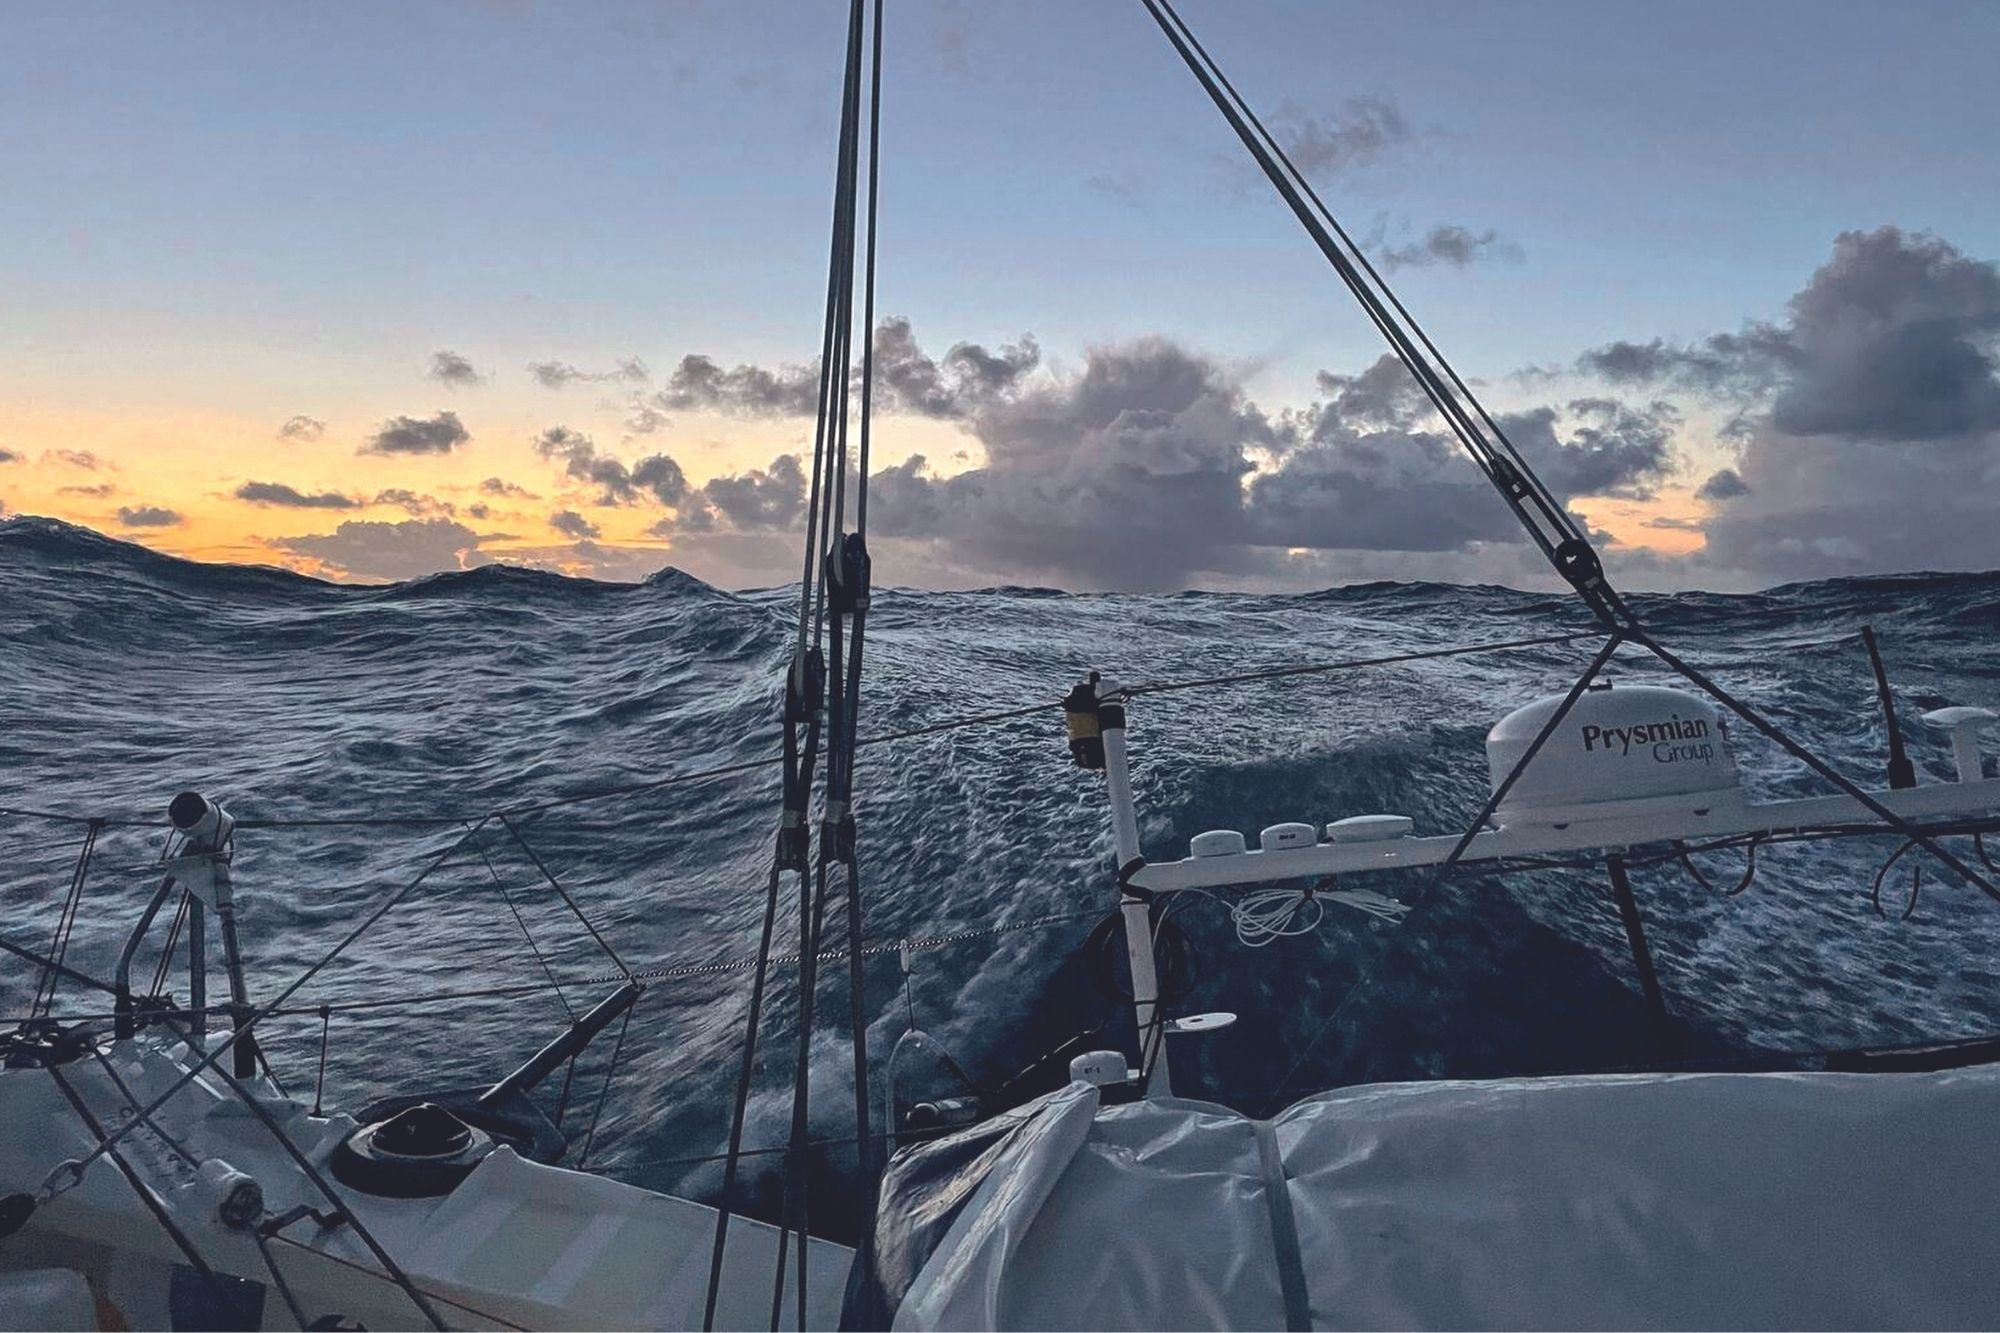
(375, 290)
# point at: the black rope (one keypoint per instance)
(485, 1316)
(319, 1182)
(30, 956)
(139, 1187)
(166, 962)
(325, 1030)
(741, 1105)
(1916, 883)
(1771, 731)
(1749, 868)
(125, 1090)
(569, 1078)
(285, 1292)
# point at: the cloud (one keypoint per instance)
(1450, 245)
(287, 497)
(96, 492)
(148, 516)
(502, 487)
(1735, 365)
(698, 384)
(644, 418)
(1152, 468)
(410, 435)
(773, 497)
(449, 368)
(1723, 484)
(556, 374)
(1357, 132)
(410, 502)
(1866, 420)
(9, 456)
(403, 550)
(77, 458)
(968, 377)
(572, 524)
(302, 429)
(656, 476)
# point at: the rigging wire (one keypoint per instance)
(526, 935)
(45, 988)
(206, 1060)
(563, 893)
(1544, 519)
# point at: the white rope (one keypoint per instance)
(1276, 914)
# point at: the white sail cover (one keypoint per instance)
(1799, 1200)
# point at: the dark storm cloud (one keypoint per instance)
(413, 435)
(556, 374)
(773, 497)
(1450, 245)
(148, 516)
(655, 476)
(1368, 475)
(1613, 448)
(449, 368)
(302, 429)
(572, 524)
(403, 550)
(1357, 132)
(1151, 467)
(277, 493)
(1894, 340)
(1867, 418)
(1723, 484)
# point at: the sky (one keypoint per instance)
(378, 290)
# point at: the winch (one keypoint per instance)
(1619, 747)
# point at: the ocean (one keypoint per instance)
(313, 712)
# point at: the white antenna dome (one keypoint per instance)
(1663, 747)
